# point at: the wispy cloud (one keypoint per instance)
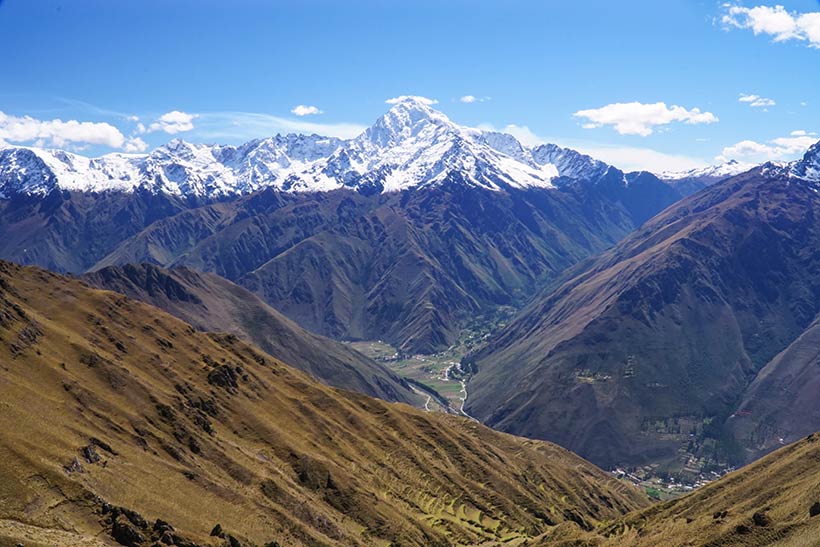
(419, 98)
(756, 101)
(780, 148)
(135, 144)
(637, 118)
(470, 99)
(252, 125)
(775, 21)
(633, 158)
(305, 110)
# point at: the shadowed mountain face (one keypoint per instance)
(211, 303)
(70, 231)
(406, 267)
(781, 404)
(115, 414)
(661, 336)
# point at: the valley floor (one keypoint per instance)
(440, 376)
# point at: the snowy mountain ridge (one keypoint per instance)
(410, 146)
(720, 171)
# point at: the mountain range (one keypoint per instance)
(692, 337)
(418, 225)
(411, 146)
(186, 382)
(399, 234)
(693, 180)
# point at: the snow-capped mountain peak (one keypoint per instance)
(412, 145)
(405, 120)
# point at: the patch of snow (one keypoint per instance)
(712, 172)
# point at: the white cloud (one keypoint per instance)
(305, 110)
(58, 133)
(795, 144)
(419, 98)
(775, 21)
(135, 144)
(470, 99)
(133, 118)
(173, 122)
(640, 119)
(756, 101)
(776, 149)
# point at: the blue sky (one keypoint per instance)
(590, 74)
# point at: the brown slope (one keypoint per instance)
(663, 332)
(211, 303)
(765, 504)
(198, 428)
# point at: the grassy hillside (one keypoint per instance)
(108, 403)
(772, 502)
(214, 304)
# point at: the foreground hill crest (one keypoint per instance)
(105, 399)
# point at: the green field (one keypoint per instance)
(439, 372)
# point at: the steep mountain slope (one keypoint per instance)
(781, 403)
(69, 231)
(405, 267)
(116, 414)
(774, 502)
(211, 303)
(648, 350)
(694, 180)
